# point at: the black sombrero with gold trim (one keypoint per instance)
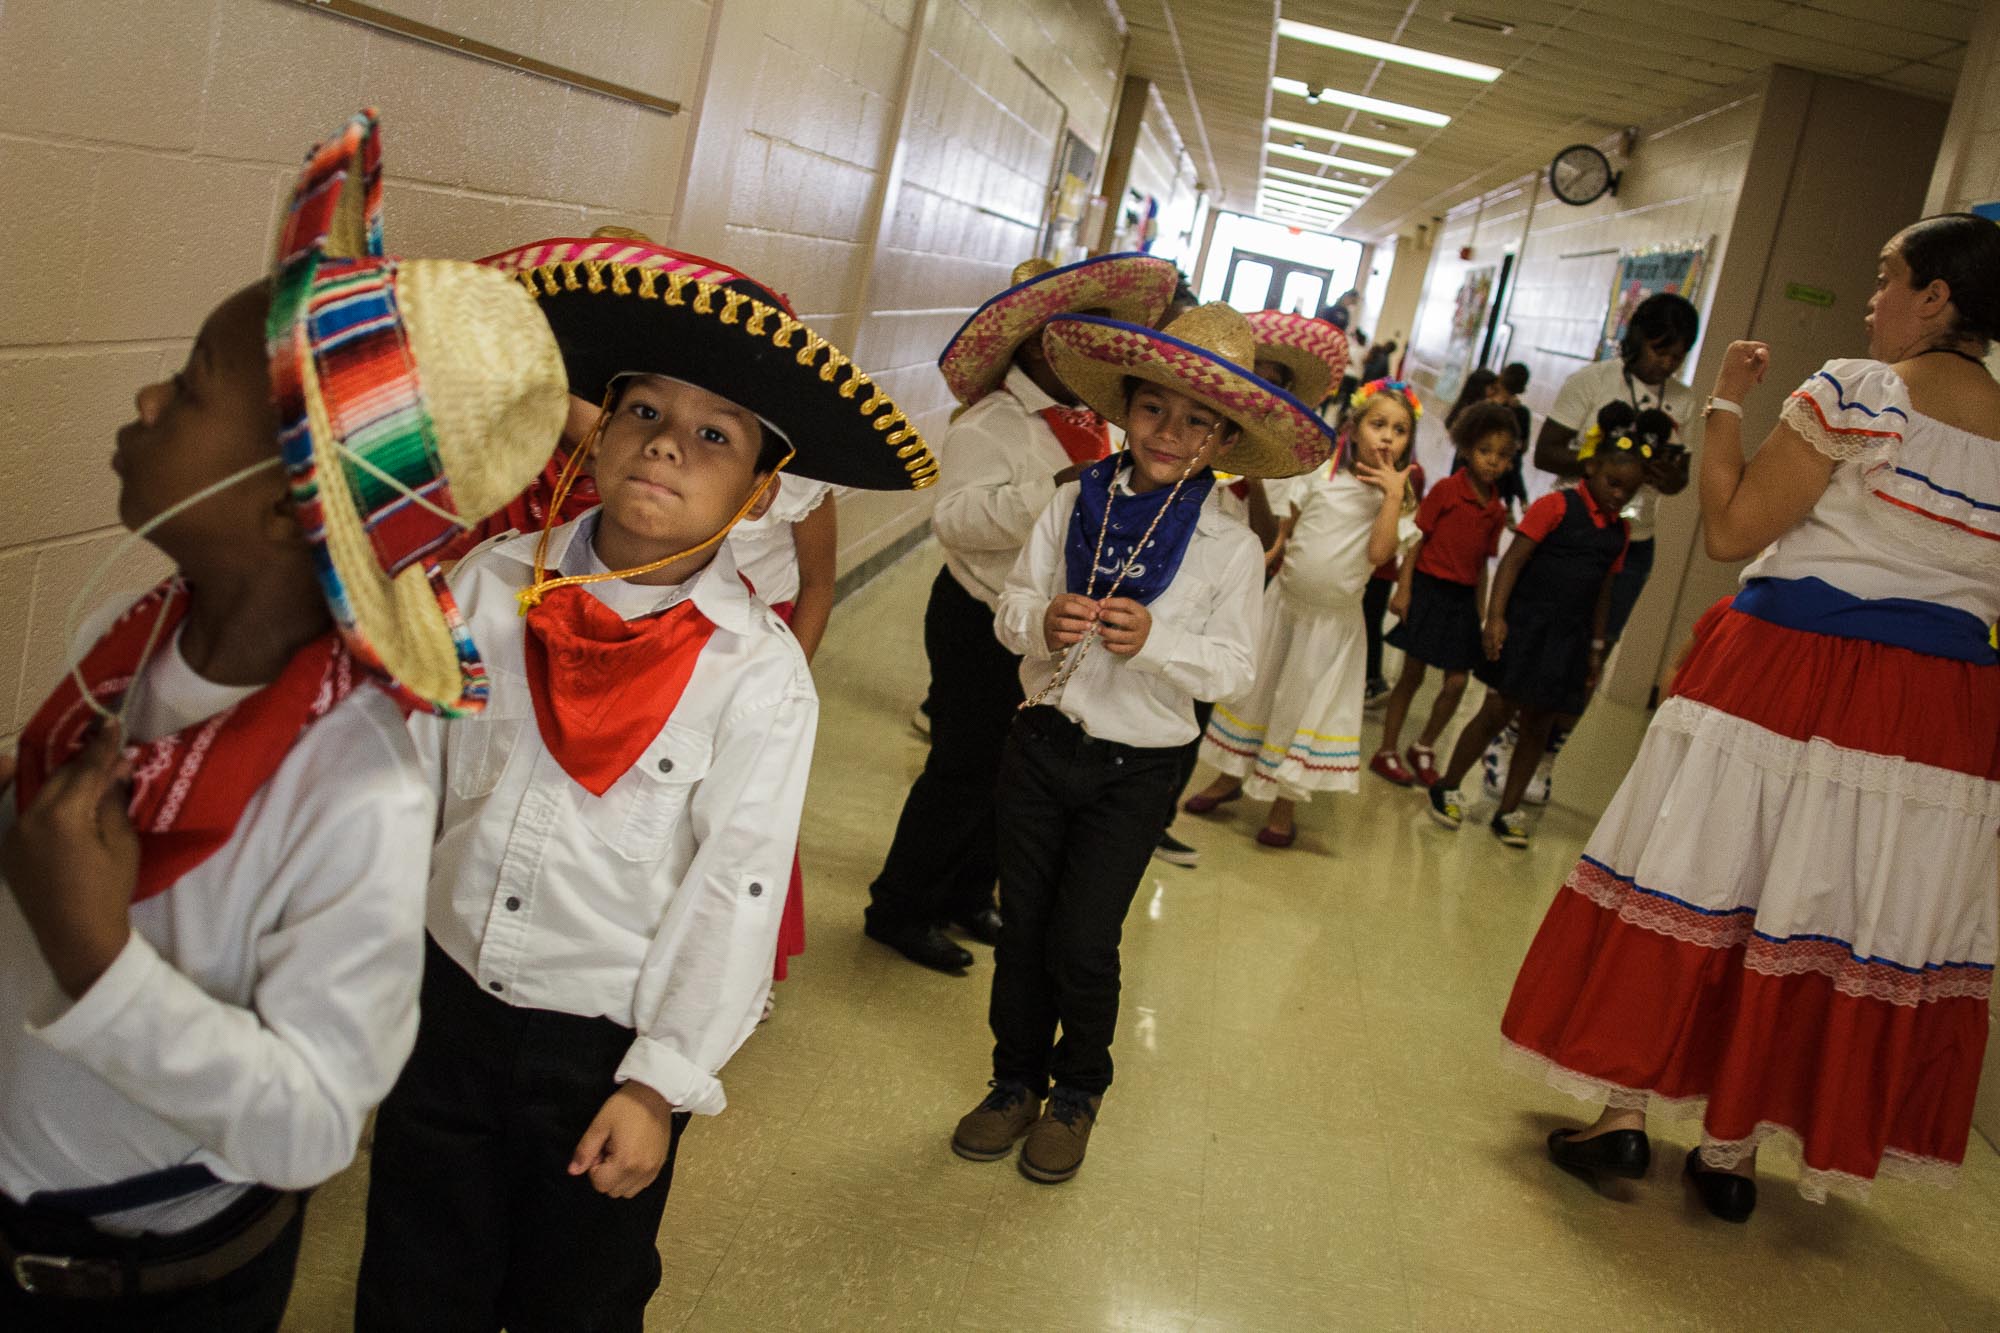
(620, 306)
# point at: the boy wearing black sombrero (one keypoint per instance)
(1135, 596)
(1021, 427)
(615, 840)
(213, 851)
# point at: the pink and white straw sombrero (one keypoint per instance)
(1314, 350)
(1203, 354)
(1130, 287)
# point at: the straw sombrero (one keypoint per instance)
(1130, 287)
(621, 305)
(1315, 351)
(407, 392)
(1203, 354)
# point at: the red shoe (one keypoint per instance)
(1423, 763)
(1385, 764)
(1270, 837)
(1201, 805)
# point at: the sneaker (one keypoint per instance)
(920, 722)
(1542, 784)
(1386, 765)
(1447, 807)
(1423, 763)
(1511, 828)
(1176, 853)
(990, 1130)
(1493, 764)
(1055, 1146)
(1377, 694)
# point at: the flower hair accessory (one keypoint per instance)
(1403, 389)
(1594, 437)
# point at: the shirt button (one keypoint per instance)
(493, 985)
(513, 904)
(666, 765)
(756, 890)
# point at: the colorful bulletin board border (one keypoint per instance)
(1640, 273)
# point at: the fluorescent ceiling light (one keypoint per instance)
(1338, 163)
(1325, 182)
(1298, 206)
(1279, 189)
(1342, 136)
(1374, 50)
(1416, 115)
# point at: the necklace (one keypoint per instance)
(1074, 657)
(1979, 361)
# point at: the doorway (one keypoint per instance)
(1266, 282)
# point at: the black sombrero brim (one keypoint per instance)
(734, 340)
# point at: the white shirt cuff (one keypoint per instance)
(69, 1030)
(685, 1085)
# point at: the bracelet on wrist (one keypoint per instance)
(1717, 403)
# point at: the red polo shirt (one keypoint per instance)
(1546, 514)
(1461, 531)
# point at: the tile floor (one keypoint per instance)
(1311, 1127)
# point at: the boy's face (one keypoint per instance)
(1614, 478)
(675, 462)
(1171, 435)
(212, 418)
(1490, 454)
(1382, 432)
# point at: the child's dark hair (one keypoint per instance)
(1476, 421)
(1661, 317)
(1514, 377)
(1962, 249)
(1473, 391)
(1615, 416)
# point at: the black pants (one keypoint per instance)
(474, 1221)
(1190, 755)
(249, 1300)
(942, 864)
(1079, 819)
(1375, 605)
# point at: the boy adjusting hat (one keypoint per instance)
(621, 305)
(414, 398)
(1203, 354)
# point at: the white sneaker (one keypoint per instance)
(920, 722)
(1540, 785)
(1493, 764)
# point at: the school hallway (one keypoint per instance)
(1312, 1127)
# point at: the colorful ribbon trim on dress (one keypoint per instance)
(1817, 607)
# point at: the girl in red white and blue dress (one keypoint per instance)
(1786, 921)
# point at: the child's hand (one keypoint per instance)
(1743, 368)
(1125, 625)
(1067, 620)
(1274, 559)
(1399, 602)
(72, 862)
(1384, 478)
(1494, 637)
(627, 1142)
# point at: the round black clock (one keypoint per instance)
(1581, 175)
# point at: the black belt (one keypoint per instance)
(137, 1266)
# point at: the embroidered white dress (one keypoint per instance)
(1786, 920)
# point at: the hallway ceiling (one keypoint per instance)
(1574, 71)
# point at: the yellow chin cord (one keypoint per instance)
(531, 596)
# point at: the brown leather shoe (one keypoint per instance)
(1054, 1150)
(990, 1130)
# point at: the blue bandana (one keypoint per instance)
(1147, 572)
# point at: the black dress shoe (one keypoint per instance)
(983, 925)
(922, 944)
(1727, 1195)
(1624, 1153)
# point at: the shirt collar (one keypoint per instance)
(717, 589)
(1023, 387)
(1597, 515)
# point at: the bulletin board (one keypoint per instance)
(1678, 269)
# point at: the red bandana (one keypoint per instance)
(188, 789)
(604, 686)
(1084, 435)
(529, 511)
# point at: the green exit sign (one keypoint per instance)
(1798, 291)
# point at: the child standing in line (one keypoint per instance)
(1134, 596)
(1545, 625)
(215, 844)
(605, 897)
(1442, 584)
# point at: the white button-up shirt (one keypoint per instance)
(1202, 645)
(657, 904)
(998, 470)
(263, 1004)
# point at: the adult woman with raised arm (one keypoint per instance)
(1786, 921)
